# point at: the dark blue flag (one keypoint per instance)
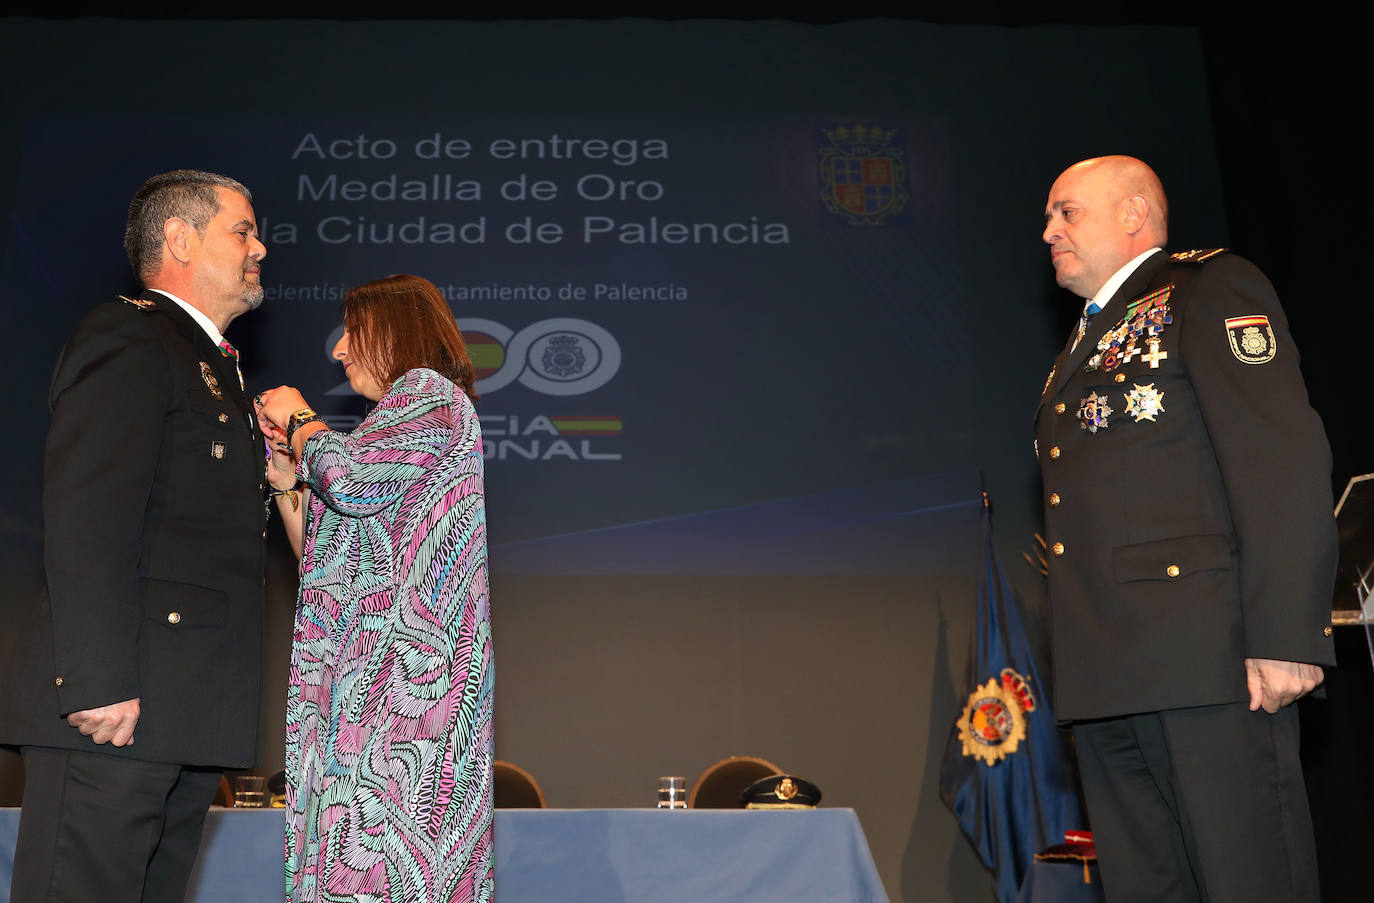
(1007, 774)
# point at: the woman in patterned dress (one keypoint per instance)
(389, 705)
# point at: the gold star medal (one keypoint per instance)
(1144, 402)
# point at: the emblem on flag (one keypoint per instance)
(1252, 339)
(994, 720)
(863, 173)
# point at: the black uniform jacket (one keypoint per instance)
(153, 546)
(1187, 491)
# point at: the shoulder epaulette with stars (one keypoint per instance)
(140, 303)
(1196, 255)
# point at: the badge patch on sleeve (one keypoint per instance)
(1252, 339)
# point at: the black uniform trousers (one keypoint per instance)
(1199, 804)
(133, 826)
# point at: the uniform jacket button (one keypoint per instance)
(173, 617)
(1172, 570)
(59, 678)
(1054, 453)
(1121, 377)
(1054, 500)
(1060, 408)
(1057, 549)
(1326, 631)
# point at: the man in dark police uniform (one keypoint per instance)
(135, 678)
(1193, 549)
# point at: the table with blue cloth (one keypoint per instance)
(602, 855)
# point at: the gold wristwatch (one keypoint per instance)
(300, 419)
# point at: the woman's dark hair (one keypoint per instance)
(402, 322)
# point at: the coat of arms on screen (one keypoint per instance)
(994, 721)
(863, 173)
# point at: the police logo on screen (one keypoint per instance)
(562, 356)
(863, 173)
(558, 356)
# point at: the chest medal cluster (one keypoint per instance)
(1143, 324)
(1145, 319)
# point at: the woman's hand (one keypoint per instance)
(275, 407)
(281, 467)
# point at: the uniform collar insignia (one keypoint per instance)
(1197, 255)
(140, 303)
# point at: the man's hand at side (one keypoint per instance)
(1275, 684)
(113, 724)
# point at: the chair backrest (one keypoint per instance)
(515, 788)
(720, 785)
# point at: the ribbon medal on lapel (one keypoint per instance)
(210, 382)
(1093, 412)
(1252, 339)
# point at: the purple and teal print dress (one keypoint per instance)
(389, 707)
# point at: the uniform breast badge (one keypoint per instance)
(1093, 412)
(210, 382)
(1252, 339)
(1144, 402)
(217, 450)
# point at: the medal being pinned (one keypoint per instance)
(210, 382)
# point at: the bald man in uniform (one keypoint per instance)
(1188, 515)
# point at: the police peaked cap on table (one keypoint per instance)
(781, 791)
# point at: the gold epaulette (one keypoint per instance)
(1198, 255)
(140, 303)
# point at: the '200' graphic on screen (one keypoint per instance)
(559, 356)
